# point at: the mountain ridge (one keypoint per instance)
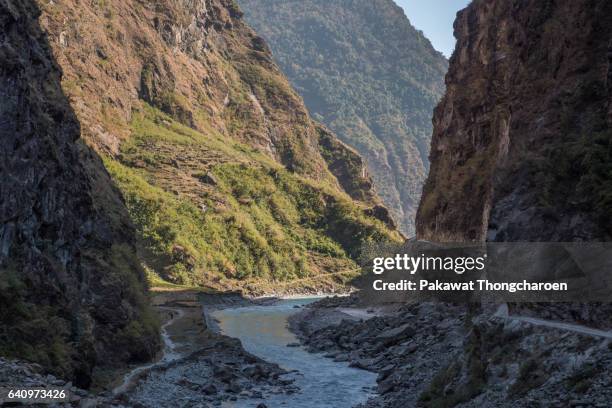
(370, 76)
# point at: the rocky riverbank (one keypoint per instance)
(223, 371)
(446, 355)
(20, 374)
(425, 355)
(199, 368)
(405, 345)
(209, 368)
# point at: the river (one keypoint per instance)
(323, 383)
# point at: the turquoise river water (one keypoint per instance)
(323, 383)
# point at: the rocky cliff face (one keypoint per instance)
(521, 151)
(71, 293)
(521, 145)
(369, 75)
(194, 60)
(228, 180)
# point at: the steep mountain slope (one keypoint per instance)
(71, 290)
(370, 76)
(522, 139)
(521, 151)
(228, 180)
(156, 134)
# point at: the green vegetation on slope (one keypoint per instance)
(579, 169)
(228, 180)
(370, 76)
(221, 213)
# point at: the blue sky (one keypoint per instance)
(435, 18)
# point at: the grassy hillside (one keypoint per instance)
(228, 180)
(225, 215)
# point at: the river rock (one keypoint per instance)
(222, 371)
(385, 372)
(363, 363)
(234, 387)
(224, 374)
(395, 335)
(209, 389)
(342, 357)
(386, 385)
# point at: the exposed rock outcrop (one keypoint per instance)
(195, 60)
(71, 292)
(521, 145)
(521, 151)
